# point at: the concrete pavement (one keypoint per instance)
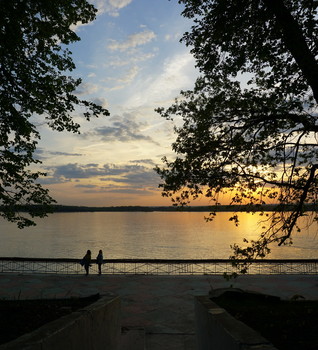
(162, 305)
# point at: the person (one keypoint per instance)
(87, 261)
(100, 261)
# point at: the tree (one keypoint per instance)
(250, 123)
(34, 58)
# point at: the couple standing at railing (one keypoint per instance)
(86, 261)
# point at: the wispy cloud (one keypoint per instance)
(143, 161)
(119, 3)
(132, 64)
(41, 153)
(138, 178)
(173, 37)
(85, 186)
(101, 101)
(129, 77)
(138, 57)
(86, 89)
(133, 40)
(175, 74)
(65, 154)
(110, 7)
(125, 191)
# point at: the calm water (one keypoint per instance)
(159, 235)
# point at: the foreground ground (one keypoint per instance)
(289, 325)
(162, 305)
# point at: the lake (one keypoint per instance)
(161, 235)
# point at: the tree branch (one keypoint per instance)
(300, 204)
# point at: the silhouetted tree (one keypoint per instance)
(34, 35)
(250, 124)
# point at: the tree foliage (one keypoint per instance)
(250, 123)
(34, 59)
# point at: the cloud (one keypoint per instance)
(119, 3)
(143, 161)
(85, 186)
(125, 77)
(110, 7)
(177, 73)
(117, 178)
(74, 170)
(120, 62)
(86, 89)
(129, 77)
(101, 101)
(121, 190)
(41, 153)
(65, 154)
(133, 41)
(92, 89)
(115, 88)
(137, 178)
(172, 37)
(91, 66)
(123, 129)
(86, 171)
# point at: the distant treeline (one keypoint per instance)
(219, 208)
(63, 208)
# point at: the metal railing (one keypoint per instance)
(157, 266)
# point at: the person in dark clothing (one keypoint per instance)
(87, 261)
(100, 261)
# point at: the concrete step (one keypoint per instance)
(132, 338)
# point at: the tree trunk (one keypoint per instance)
(296, 43)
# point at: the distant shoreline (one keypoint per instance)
(135, 208)
(219, 208)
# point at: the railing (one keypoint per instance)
(157, 266)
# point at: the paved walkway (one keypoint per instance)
(162, 305)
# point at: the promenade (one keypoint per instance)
(162, 305)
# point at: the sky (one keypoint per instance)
(131, 62)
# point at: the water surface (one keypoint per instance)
(155, 235)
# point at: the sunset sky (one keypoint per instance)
(131, 62)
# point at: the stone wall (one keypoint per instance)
(97, 326)
(216, 329)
